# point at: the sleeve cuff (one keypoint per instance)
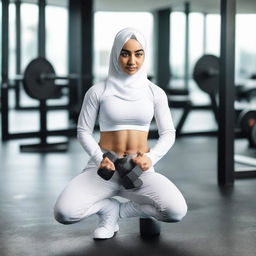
(152, 158)
(97, 158)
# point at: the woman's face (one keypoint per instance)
(131, 57)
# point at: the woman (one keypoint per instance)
(124, 104)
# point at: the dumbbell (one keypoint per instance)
(104, 172)
(129, 172)
(149, 227)
(126, 168)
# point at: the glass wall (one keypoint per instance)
(245, 46)
(29, 33)
(177, 41)
(12, 41)
(245, 42)
(106, 25)
(196, 39)
(177, 45)
(57, 38)
(213, 34)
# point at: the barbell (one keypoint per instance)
(39, 79)
(206, 75)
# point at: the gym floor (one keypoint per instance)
(220, 221)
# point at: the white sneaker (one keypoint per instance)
(108, 218)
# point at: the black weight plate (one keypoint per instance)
(36, 87)
(247, 119)
(253, 136)
(206, 73)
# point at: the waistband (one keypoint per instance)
(125, 155)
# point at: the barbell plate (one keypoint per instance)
(247, 120)
(253, 136)
(34, 85)
(206, 73)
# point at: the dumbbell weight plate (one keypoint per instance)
(131, 179)
(247, 120)
(105, 173)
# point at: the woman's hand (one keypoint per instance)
(107, 163)
(142, 161)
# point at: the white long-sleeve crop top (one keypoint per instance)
(115, 113)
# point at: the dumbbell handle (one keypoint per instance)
(104, 172)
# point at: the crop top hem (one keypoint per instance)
(144, 128)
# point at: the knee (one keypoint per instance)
(175, 215)
(64, 216)
(61, 217)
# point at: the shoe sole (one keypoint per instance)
(99, 239)
(116, 230)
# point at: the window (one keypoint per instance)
(245, 46)
(213, 34)
(195, 39)
(177, 42)
(12, 41)
(29, 33)
(57, 38)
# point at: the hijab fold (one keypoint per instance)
(124, 86)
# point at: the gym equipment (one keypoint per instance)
(206, 76)
(253, 136)
(206, 73)
(104, 172)
(35, 83)
(39, 80)
(245, 92)
(149, 227)
(39, 84)
(128, 171)
(247, 166)
(247, 121)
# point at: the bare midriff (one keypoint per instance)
(125, 142)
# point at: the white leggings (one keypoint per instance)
(158, 197)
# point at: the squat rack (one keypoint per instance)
(80, 62)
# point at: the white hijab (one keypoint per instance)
(124, 86)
